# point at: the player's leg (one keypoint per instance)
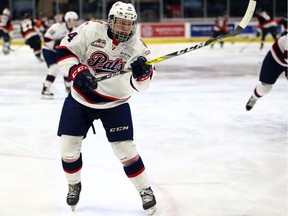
(273, 32)
(74, 121)
(35, 44)
(50, 59)
(67, 83)
(269, 73)
(119, 130)
(263, 37)
(6, 45)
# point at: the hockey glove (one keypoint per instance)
(83, 79)
(140, 70)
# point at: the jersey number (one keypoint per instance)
(71, 36)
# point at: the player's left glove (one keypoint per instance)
(140, 70)
(83, 79)
(57, 44)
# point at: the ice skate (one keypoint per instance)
(68, 89)
(67, 84)
(6, 51)
(251, 102)
(148, 200)
(46, 94)
(39, 59)
(73, 195)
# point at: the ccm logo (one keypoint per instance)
(119, 129)
(79, 70)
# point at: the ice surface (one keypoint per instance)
(204, 153)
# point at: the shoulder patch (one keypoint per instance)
(97, 21)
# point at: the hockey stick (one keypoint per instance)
(16, 49)
(242, 25)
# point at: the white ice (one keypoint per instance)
(204, 153)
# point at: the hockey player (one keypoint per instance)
(29, 31)
(52, 39)
(94, 49)
(283, 22)
(220, 27)
(273, 65)
(266, 24)
(5, 29)
(43, 24)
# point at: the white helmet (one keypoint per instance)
(70, 15)
(126, 12)
(6, 12)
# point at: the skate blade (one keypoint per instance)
(73, 208)
(47, 97)
(151, 210)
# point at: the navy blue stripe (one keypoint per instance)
(63, 52)
(93, 97)
(47, 39)
(280, 55)
(74, 166)
(134, 168)
(50, 78)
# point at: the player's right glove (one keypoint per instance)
(83, 79)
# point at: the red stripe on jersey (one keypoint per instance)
(94, 97)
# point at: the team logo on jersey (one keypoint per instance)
(99, 43)
(100, 62)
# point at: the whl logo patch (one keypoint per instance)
(99, 43)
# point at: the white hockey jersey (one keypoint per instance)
(279, 50)
(54, 35)
(28, 28)
(89, 44)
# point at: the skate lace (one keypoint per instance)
(73, 191)
(146, 195)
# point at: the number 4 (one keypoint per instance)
(71, 36)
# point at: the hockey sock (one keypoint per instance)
(72, 170)
(135, 168)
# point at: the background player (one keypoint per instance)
(96, 48)
(283, 22)
(266, 25)
(52, 39)
(273, 65)
(30, 32)
(6, 29)
(220, 27)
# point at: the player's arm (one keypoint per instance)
(68, 54)
(49, 37)
(70, 50)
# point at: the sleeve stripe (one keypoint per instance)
(64, 53)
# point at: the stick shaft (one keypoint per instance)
(243, 23)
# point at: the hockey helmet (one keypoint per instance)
(122, 19)
(71, 19)
(70, 15)
(6, 12)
